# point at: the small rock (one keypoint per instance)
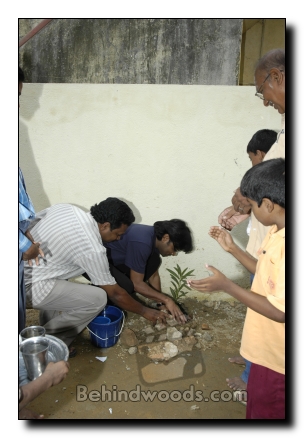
(132, 350)
(185, 344)
(160, 351)
(148, 330)
(149, 339)
(205, 326)
(128, 338)
(190, 332)
(217, 305)
(186, 329)
(208, 303)
(172, 322)
(162, 337)
(194, 407)
(207, 336)
(160, 326)
(173, 334)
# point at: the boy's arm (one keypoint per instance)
(254, 301)
(228, 244)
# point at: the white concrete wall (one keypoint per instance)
(169, 151)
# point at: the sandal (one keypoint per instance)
(72, 352)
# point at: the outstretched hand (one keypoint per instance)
(215, 282)
(222, 237)
(229, 218)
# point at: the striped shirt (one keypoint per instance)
(26, 214)
(72, 245)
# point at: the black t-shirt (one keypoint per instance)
(134, 247)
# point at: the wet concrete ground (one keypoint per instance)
(189, 386)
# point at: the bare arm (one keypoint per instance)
(143, 288)
(123, 300)
(254, 301)
(53, 374)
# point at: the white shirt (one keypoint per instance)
(72, 245)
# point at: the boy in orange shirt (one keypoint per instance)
(263, 339)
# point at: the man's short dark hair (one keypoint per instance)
(114, 211)
(179, 233)
(265, 180)
(262, 140)
(21, 77)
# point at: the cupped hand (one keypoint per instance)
(222, 237)
(229, 218)
(215, 282)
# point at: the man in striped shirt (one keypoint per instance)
(72, 241)
(28, 248)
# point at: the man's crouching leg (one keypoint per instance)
(69, 308)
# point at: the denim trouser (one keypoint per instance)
(21, 296)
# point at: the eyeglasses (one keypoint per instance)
(258, 93)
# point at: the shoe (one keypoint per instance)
(72, 352)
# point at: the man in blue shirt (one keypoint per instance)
(28, 249)
(135, 258)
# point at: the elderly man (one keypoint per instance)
(270, 88)
(73, 243)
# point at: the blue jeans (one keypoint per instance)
(245, 373)
(21, 296)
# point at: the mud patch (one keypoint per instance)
(190, 385)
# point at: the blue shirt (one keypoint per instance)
(134, 247)
(26, 214)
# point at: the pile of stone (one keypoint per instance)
(162, 342)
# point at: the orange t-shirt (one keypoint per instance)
(263, 340)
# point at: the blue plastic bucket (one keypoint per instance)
(106, 327)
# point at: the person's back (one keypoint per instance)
(135, 259)
(134, 247)
(71, 245)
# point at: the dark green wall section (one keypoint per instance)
(133, 51)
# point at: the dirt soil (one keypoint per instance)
(190, 385)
